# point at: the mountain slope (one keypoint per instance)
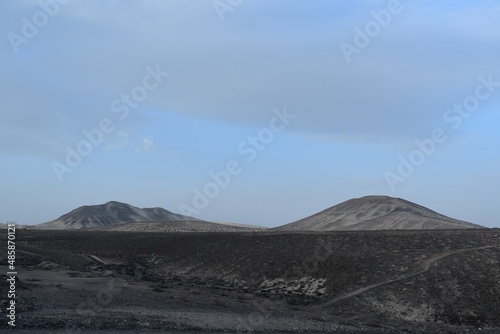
(180, 226)
(376, 213)
(110, 214)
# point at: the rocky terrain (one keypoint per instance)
(376, 213)
(431, 281)
(180, 226)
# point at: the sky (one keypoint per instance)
(256, 112)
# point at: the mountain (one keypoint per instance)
(110, 214)
(376, 213)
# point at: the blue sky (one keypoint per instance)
(203, 78)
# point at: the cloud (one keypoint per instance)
(236, 71)
(147, 145)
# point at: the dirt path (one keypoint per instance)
(426, 265)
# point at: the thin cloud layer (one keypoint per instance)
(235, 71)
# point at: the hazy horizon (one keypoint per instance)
(257, 112)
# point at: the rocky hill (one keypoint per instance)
(111, 214)
(116, 216)
(376, 213)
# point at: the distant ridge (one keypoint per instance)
(110, 214)
(376, 213)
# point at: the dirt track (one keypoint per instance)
(426, 267)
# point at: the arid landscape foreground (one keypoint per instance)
(430, 281)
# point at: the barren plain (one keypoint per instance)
(431, 281)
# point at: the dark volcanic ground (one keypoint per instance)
(360, 282)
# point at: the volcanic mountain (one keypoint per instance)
(110, 214)
(116, 216)
(376, 213)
